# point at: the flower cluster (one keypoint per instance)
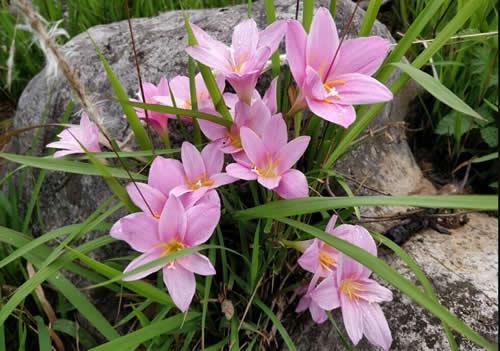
(340, 281)
(179, 206)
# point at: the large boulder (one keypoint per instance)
(66, 198)
(463, 267)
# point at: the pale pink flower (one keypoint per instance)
(243, 62)
(157, 120)
(228, 139)
(179, 85)
(178, 228)
(359, 298)
(86, 134)
(200, 172)
(270, 159)
(318, 314)
(321, 258)
(332, 82)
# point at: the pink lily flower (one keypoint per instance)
(243, 62)
(228, 139)
(320, 258)
(86, 134)
(270, 159)
(182, 94)
(318, 314)
(157, 120)
(178, 228)
(333, 78)
(200, 172)
(359, 297)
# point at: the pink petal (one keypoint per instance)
(269, 98)
(221, 179)
(163, 87)
(244, 84)
(253, 145)
(289, 154)
(353, 318)
(293, 185)
(210, 198)
(139, 230)
(317, 313)
(245, 39)
(303, 304)
(143, 259)
(309, 260)
(313, 85)
(180, 89)
(172, 223)
(275, 134)
(192, 162)
(272, 35)
(197, 263)
(296, 39)
(208, 57)
(343, 115)
(212, 131)
(320, 52)
(213, 159)
(257, 118)
(269, 182)
(331, 224)
(358, 236)
(181, 285)
(361, 89)
(375, 326)
(193, 197)
(204, 39)
(230, 99)
(349, 268)
(361, 55)
(180, 190)
(238, 171)
(165, 174)
(147, 198)
(201, 220)
(373, 292)
(59, 154)
(325, 295)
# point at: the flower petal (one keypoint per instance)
(373, 292)
(269, 182)
(165, 174)
(197, 263)
(317, 313)
(143, 259)
(211, 130)
(192, 162)
(296, 41)
(320, 52)
(361, 89)
(245, 39)
(289, 154)
(272, 35)
(331, 224)
(238, 171)
(275, 134)
(375, 326)
(269, 98)
(209, 57)
(201, 223)
(303, 304)
(252, 145)
(325, 295)
(213, 159)
(139, 230)
(221, 179)
(181, 285)
(172, 223)
(353, 318)
(361, 55)
(309, 260)
(293, 185)
(180, 89)
(343, 115)
(147, 198)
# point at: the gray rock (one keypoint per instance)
(66, 198)
(462, 267)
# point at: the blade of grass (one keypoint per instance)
(307, 14)
(194, 102)
(383, 270)
(369, 17)
(44, 343)
(277, 323)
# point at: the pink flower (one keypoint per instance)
(270, 159)
(86, 134)
(157, 120)
(199, 172)
(228, 140)
(242, 63)
(332, 82)
(358, 296)
(182, 94)
(269, 98)
(320, 258)
(318, 314)
(178, 228)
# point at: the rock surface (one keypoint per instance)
(462, 267)
(66, 198)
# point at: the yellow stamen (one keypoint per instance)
(269, 168)
(332, 91)
(234, 139)
(199, 182)
(351, 289)
(327, 262)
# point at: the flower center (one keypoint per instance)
(351, 289)
(268, 170)
(332, 90)
(187, 104)
(199, 182)
(237, 62)
(234, 139)
(327, 262)
(172, 246)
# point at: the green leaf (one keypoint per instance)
(182, 112)
(279, 326)
(447, 124)
(490, 135)
(489, 157)
(294, 207)
(438, 90)
(307, 14)
(134, 339)
(44, 343)
(135, 124)
(69, 166)
(369, 17)
(387, 273)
